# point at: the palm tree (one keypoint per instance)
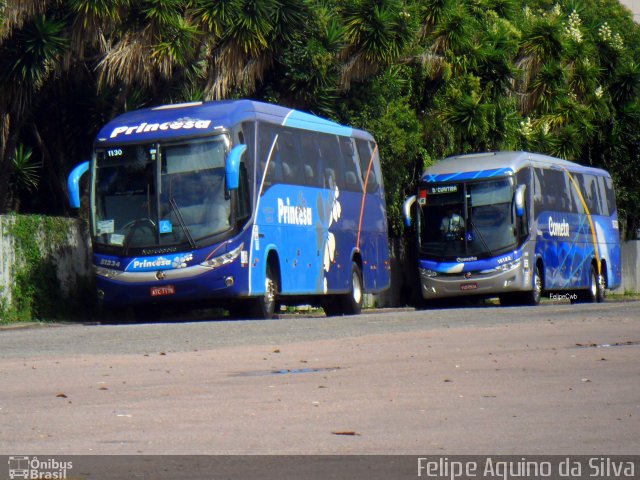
(242, 39)
(28, 58)
(25, 175)
(153, 38)
(541, 44)
(377, 32)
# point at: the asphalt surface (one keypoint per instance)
(559, 378)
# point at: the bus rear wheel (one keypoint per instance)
(350, 303)
(595, 289)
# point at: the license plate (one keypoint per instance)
(165, 290)
(468, 286)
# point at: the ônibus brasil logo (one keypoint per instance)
(35, 468)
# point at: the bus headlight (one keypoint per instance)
(425, 272)
(505, 267)
(107, 272)
(223, 259)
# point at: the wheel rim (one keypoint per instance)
(356, 287)
(594, 284)
(537, 286)
(269, 293)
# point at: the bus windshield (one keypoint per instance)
(152, 195)
(467, 219)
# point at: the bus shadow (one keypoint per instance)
(150, 315)
(453, 303)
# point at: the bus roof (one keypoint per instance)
(188, 120)
(494, 164)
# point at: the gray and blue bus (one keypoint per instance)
(517, 226)
(237, 204)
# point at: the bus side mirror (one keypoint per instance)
(406, 209)
(73, 183)
(518, 199)
(232, 167)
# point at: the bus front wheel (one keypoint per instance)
(264, 306)
(532, 297)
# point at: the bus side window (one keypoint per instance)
(538, 188)
(330, 154)
(556, 191)
(604, 197)
(349, 164)
(289, 157)
(367, 165)
(576, 199)
(595, 199)
(311, 159)
(267, 155)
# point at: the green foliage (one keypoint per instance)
(25, 172)
(429, 78)
(36, 291)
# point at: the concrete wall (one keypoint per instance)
(72, 257)
(630, 267)
(634, 6)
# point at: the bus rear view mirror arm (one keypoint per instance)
(73, 183)
(232, 167)
(406, 209)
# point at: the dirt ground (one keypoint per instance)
(526, 388)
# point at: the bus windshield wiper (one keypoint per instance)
(185, 229)
(484, 242)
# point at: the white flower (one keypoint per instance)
(599, 92)
(617, 42)
(573, 29)
(545, 128)
(604, 32)
(527, 129)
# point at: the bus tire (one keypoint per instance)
(595, 290)
(264, 306)
(601, 287)
(350, 303)
(533, 296)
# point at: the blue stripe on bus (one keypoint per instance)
(468, 265)
(462, 176)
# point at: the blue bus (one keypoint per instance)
(515, 225)
(236, 204)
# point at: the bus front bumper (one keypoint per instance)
(434, 286)
(195, 284)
